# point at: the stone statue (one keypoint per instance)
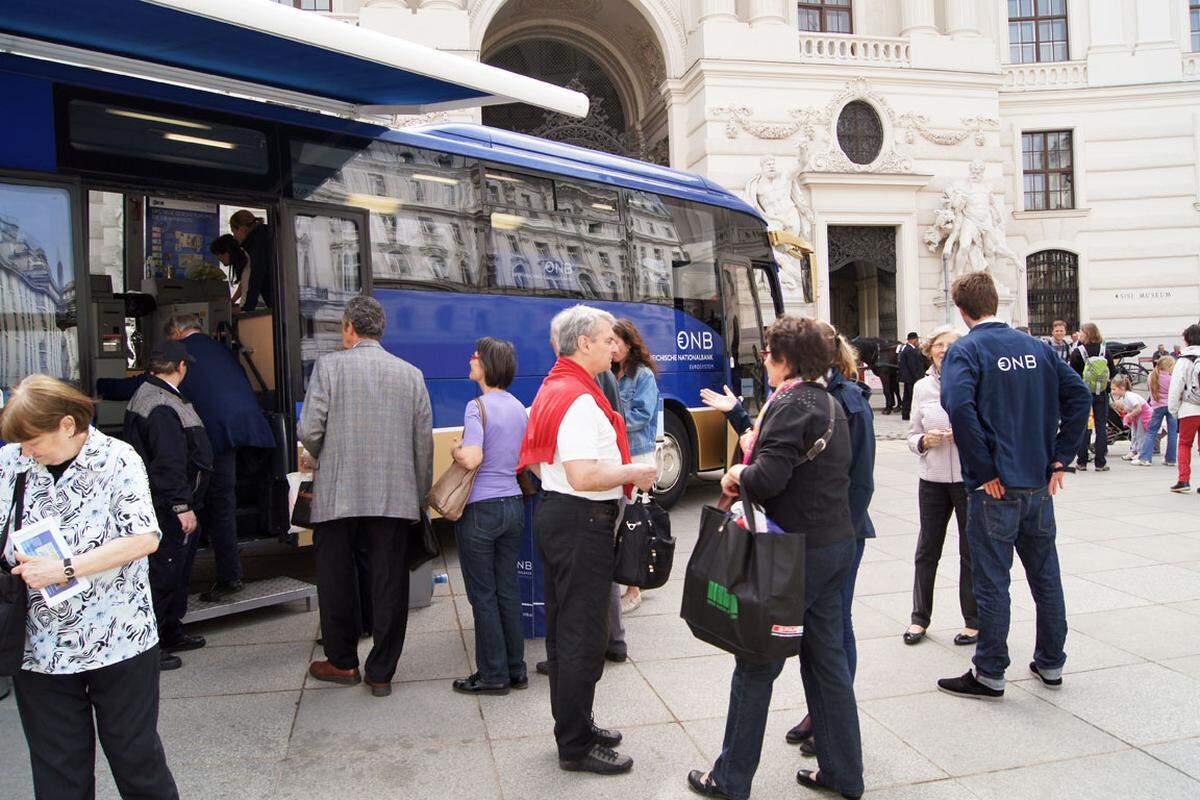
(969, 227)
(781, 200)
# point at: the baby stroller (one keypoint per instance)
(1136, 373)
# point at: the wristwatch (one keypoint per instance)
(68, 570)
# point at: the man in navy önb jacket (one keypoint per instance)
(1018, 412)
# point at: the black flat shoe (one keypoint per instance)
(913, 638)
(168, 662)
(221, 590)
(474, 685)
(963, 639)
(805, 778)
(617, 655)
(519, 683)
(542, 668)
(799, 734)
(703, 784)
(183, 644)
(809, 747)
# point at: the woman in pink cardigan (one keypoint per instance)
(941, 491)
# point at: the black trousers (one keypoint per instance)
(891, 389)
(937, 501)
(575, 540)
(906, 399)
(385, 542)
(57, 713)
(170, 571)
(218, 518)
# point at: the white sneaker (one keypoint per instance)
(1137, 462)
(1128, 457)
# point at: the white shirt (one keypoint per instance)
(584, 435)
(103, 495)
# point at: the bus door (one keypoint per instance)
(323, 263)
(743, 338)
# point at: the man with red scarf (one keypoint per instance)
(576, 443)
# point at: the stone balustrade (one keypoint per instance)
(1046, 75)
(840, 48)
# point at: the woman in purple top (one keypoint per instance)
(489, 531)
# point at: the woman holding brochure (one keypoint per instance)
(91, 646)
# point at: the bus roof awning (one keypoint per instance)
(262, 48)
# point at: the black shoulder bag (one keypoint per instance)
(644, 549)
(14, 595)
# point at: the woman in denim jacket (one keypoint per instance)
(638, 384)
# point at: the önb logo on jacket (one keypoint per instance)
(720, 597)
(1010, 363)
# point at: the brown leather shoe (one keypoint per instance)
(379, 689)
(324, 671)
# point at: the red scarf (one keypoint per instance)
(564, 385)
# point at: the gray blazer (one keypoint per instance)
(368, 423)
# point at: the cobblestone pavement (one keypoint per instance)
(241, 720)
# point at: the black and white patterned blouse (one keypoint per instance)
(103, 495)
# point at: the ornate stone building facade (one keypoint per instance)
(1084, 116)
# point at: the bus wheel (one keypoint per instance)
(674, 462)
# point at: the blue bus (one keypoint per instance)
(112, 186)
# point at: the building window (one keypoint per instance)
(825, 16)
(1048, 170)
(1194, 13)
(308, 5)
(1053, 277)
(859, 132)
(1037, 31)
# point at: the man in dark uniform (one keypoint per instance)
(912, 369)
(167, 433)
(256, 239)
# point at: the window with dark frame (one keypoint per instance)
(1048, 170)
(1194, 17)
(825, 16)
(1037, 31)
(1053, 281)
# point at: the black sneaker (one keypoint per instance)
(1102, 469)
(475, 685)
(542, 668)
(600, 760)
(606, 737)
(183, 644)
(617, 654)
(1049, 683)
(1182, 488)
(168, 662)
(519, 683)
(220, 591)
(1081, 467)
(967, 686)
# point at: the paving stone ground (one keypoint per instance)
(241, 721)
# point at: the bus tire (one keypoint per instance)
(675, 461)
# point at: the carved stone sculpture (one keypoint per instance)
(968, 230)
(781, 200)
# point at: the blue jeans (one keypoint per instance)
(489, 542)
(848, 607)
(1156, 418)
(1024, 521)
(1100, 415)
(827, 685)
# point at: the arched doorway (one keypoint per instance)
(610, 53)
(1053, 290)
(862, 280)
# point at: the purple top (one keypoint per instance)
(501, 443)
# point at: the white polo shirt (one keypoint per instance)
(584, 435)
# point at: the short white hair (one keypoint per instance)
(571, 323)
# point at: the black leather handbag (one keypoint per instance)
(644, 549)
(14, 595)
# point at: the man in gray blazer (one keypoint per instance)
(368, 426)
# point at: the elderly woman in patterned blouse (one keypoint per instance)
(94, 653)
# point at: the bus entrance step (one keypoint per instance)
(255, 594)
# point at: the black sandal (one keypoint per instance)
(810, 779)
(963, 639)
(703, 784)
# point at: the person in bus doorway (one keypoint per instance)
(230, 253)
(490, 529)
(90, 668)
(1018, 414)
(167, 433)
(368, 426)
(911, 370)
(576, 443)
(637, 381)
(257, 240)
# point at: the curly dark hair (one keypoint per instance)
(800, 342)
(639, 355)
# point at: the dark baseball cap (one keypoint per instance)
(913, 335)
(171, 352)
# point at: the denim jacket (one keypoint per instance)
(641, 403)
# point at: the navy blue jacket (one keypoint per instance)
(220, 392)
(1015, 407)
(855, 400)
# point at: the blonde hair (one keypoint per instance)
(1091, 333)
(38, 405)
(1122, 381)
(1164, 364)
(845, 357)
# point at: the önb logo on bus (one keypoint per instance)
(693, 340)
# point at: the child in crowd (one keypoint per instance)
(1160, 391)
(1134, 411)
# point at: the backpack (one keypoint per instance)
(1096, 375)
(1191, 388)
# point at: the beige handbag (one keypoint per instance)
(450, 492)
